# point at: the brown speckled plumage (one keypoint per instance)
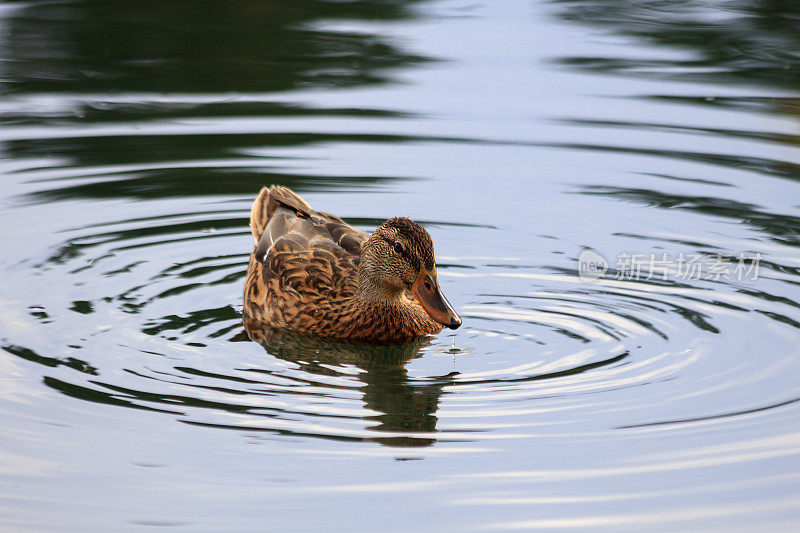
(304, 273)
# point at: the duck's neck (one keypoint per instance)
(372, 290)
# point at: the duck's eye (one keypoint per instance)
(398, 248)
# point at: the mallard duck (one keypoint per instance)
(312, 272)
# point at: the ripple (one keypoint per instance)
(544, 337)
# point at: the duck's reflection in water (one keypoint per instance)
(406, 409)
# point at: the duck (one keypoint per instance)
(313, 273)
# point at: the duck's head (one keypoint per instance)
(399, 257)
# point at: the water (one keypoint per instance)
(135, 137)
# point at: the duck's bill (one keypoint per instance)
(430, 297)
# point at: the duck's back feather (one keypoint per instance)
(304, 258)
(278, 213)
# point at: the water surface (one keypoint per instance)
(134, 139)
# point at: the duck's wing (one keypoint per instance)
(302, 247)
(267, 202)
(278, 212)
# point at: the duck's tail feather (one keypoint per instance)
(268, 201)
(258, 214)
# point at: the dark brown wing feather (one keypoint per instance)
(305, 249)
